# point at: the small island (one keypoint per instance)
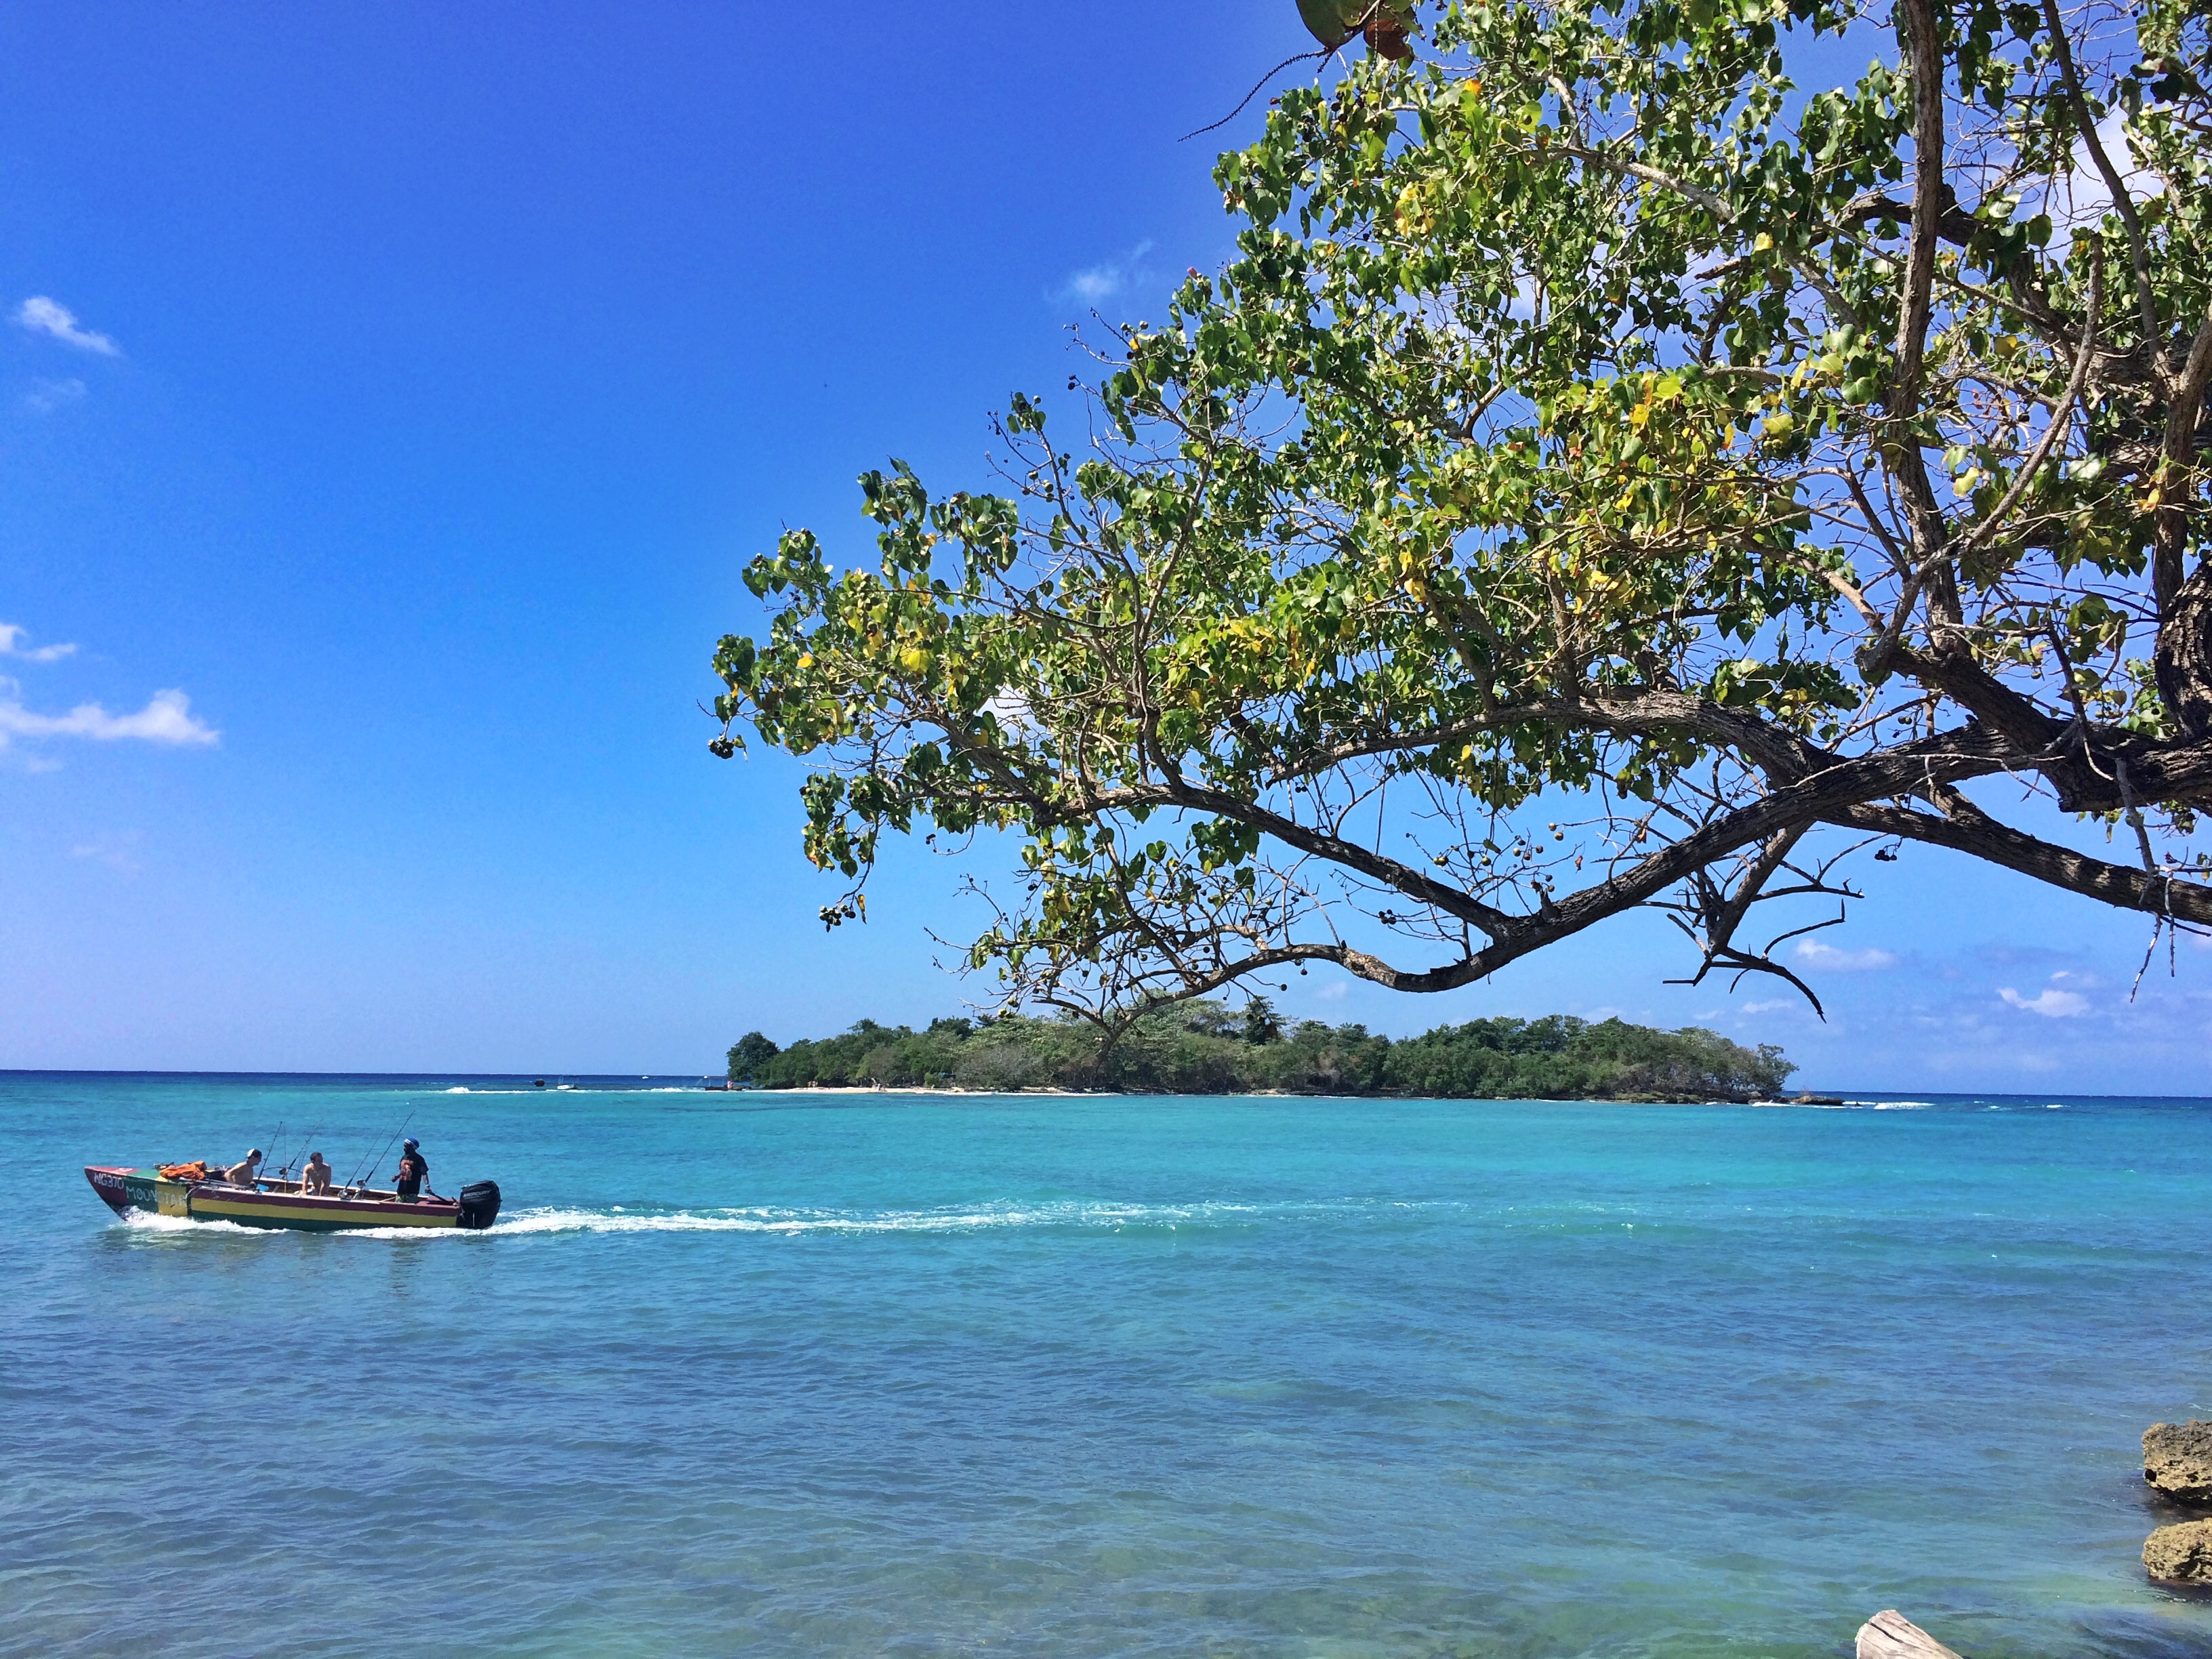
(1209, 1048)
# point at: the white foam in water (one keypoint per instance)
(1073, 1213)
(572, 1089)
(962, 1219)
(184, 1225)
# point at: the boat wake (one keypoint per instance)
(573, 1088)
(183, 1225)
(1071, 1215)
(1077, 1215)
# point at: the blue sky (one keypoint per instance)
(411, 382)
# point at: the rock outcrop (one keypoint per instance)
(2180, 1554)
(2178, 1461)
(1890, 1635)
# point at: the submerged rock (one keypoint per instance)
(2180, 1554)
(2177, 1460)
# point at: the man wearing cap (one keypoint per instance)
(414, 1170)
(245, 1171)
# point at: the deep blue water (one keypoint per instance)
(815, 1374)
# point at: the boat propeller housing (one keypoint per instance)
(479, 1203)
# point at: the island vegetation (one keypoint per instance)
(1206, 1047)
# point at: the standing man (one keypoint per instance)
(414, 1170)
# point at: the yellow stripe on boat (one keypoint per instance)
(273, 1210)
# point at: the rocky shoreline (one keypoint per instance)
(2177, 1463)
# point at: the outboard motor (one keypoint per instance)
(479, 1203)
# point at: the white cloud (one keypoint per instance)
(115, 851)
(44, 396)
(2052, 1004)
(1814, 954)
(2085, 197)
(1335, 991)
(1769, 1007)
(11, 645)
(1012, 712)
(166, 717)
(43, 316)
(1098, 283)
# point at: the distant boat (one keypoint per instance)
(282, 1203)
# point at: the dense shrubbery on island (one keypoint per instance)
(1206, 1048)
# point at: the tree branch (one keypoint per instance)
(1923, 50)
(1967, 830)
(2138, 249)
(2177, 489)
(2061, 416)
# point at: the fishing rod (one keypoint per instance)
(396, 1133)
(301, 1157)
(258, 1176)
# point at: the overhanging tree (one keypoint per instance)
(1608, 477)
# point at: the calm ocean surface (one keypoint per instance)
(816, 1375)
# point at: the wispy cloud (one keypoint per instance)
(2085, 197)
(115, 851)
(11, 645)
(1013, 711)
(44, 396)
(166, 719)
(43, 316)
(1096, 284)
(1814, 954)
(2051, 1003)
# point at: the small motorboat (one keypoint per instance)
(179, 1190)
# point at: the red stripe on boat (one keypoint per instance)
(107, 1181)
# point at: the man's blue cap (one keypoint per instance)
(410, 1143)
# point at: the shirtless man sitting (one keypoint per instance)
(316, 1177)
(246, 1172)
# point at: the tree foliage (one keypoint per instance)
(748, 1054)
(1205, 1047)
(1610, 474)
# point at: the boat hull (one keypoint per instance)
(148, 1191)
(242, 1209)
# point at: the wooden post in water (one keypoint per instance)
(1890, 1635)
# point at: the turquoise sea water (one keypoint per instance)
(886, 1375)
